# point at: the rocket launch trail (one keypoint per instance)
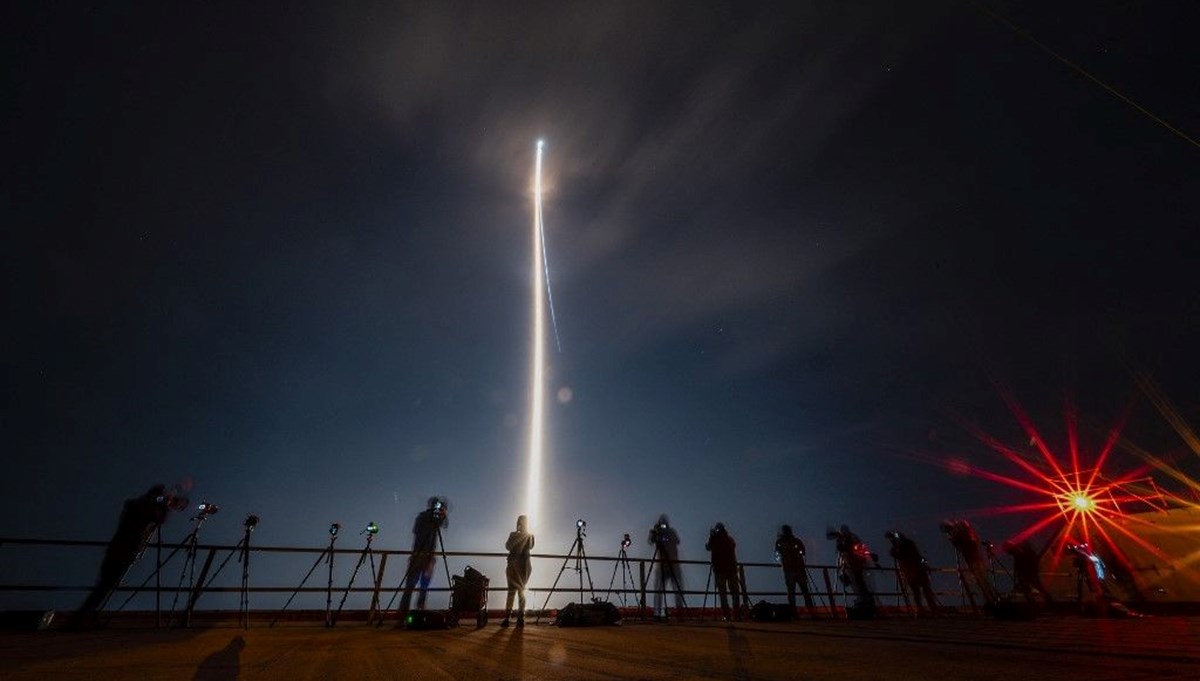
(537, 377)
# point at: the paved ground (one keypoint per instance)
(1058, 648)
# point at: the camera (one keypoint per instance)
(333, 529)
(581, 523)
(251, 522)
(437, 505)
(371, 529)
(206, 508)
(626, 541)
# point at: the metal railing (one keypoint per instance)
(371, 599)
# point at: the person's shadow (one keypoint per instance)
(223, 665)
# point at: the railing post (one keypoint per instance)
(742, 583)
(378, 586)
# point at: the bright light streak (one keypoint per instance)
(537, 377)
(541, 229)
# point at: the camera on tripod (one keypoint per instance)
(206, 509)
(333, 529)
(438, 506)
(626, 541)
(371, 529)
(250, 522)
(581, 527)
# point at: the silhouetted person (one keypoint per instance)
(519, 544)
(914, 570)
(1027, 573)
(853, 555)
(966, 543)
(424, 552)
(666, 548)
(790, 551)
(140, 518)
(725, 569)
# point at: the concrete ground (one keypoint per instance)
(1051, 648)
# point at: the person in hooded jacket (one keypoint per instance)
(519, 544)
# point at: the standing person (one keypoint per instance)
(853, 555)
(519, 544)
(426, 529)
(725, 569)
(140, 517)
(789, 550)
(914, 570)
(966, 543)
(666, 547)
(1027, 574)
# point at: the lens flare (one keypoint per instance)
(1083, 503)
(1071, 494)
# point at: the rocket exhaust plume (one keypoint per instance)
(537, 376)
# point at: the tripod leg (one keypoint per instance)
(613, 581)
(361, 557)
(408, 573)
(311, 570)
(245, 604)
(902, 589)
(157, 573)
(586, 571)
(968, 596)
(555, 585)
(627, 570)
(158, 577)
(189, 562)
(704, 604)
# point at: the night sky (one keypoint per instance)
(284, 251)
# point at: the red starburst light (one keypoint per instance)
(1072, 495)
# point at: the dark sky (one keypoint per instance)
(284, 251)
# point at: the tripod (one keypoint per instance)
(327, 556)
(189, 544)
(243, 553)
(581, 567)
(622, 566)
(666, 571)
(366, 552)
(416, 561)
